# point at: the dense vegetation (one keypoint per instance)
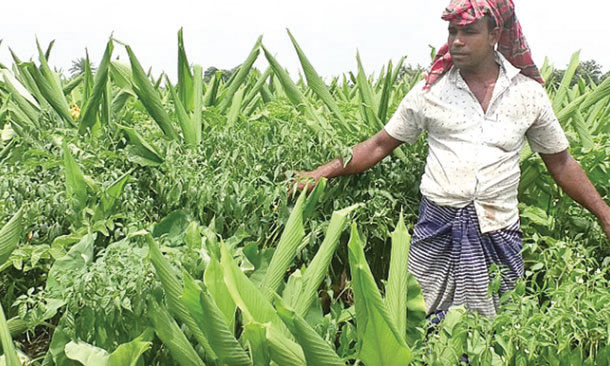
(151, 224)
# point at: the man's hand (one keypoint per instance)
(364, 155)
(306, 180)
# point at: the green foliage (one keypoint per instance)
(229, 258)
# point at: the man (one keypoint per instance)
(478, 105)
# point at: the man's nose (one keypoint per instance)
(457, 41)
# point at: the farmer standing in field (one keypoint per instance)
(479, 102)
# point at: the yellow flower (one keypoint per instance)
(75, 112)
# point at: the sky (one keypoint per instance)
(330, 32)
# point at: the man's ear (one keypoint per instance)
(495, 35)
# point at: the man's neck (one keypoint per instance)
(484, 75)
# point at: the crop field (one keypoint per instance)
(146, 223)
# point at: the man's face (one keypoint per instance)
(471, 45)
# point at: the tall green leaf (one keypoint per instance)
(21, 96)
(173, 292)
(50, 86)
(76, 185)
(379, 340)
(198, 102)
(404, 298)
(209, 99)
(235, 106)
(143, 152)
(212, 323)
(560, 96)
(316, 350)
(214, 281)
(317, 269)
(10, 353)
(316, 83)
(185, 78)
(286, 249)
(396, 287)
(292, 91)
(189, 130)
(101, 79)
(149, 97)
(9, 235)
(240, 76)
(258, 86)
(172, 337)
(368, 99)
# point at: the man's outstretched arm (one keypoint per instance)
(572, 179)
(364, 155)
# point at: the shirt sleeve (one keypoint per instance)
(406, 123)
(545, 135)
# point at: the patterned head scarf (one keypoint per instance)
(511, 44)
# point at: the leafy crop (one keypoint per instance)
(151, 223)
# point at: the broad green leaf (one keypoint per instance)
(396, 287)
(251, 301)
(173, 291)
(76, 185)
(240, 76)
(172, 337)
(314, 198)
(128, 354)
(214, 281)
(93, 102)
(61, 274)
(255, 336)
(149, 97)
(316, 350)
(10, 353)
(121, 75)
(286, 249)
(149, 154)
(9, 235)
(185, 78)
(114, 192)
(212, 323)
(379, 340)
(282, 350)
(86, 354)
(318, 267)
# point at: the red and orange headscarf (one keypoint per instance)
(511, 45)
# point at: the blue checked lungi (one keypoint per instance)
(451, 258)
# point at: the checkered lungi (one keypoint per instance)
(451, 258)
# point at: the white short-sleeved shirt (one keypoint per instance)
(474, 156)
